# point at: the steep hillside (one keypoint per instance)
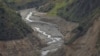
(86, 45)
(11, 24)
(79, 10)
(52, 6)
(82, 40)
(83, 12)
(24, 4)
(16, 37)
(73, 10)
(58, 4)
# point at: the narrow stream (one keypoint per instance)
(47, 32)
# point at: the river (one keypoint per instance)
(47, 32)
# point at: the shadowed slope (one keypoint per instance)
(11, 24)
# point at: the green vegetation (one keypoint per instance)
(83, 12)
(58, 4)
(11, 24)
(19, 1)
(23, 4)
(78, 10)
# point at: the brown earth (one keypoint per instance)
(28, 46)
(85, 45)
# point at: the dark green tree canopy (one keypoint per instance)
(11, 24)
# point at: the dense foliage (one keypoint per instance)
(79, 10)
(46, 7)
(11, 24)
(83, 12)
(24, 4)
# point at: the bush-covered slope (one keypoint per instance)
(23, 4)
(58, 4)
(11, 25)
(73, 10)
(79, 10)
(83, 12)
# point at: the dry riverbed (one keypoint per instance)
(47, 32)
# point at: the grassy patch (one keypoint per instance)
(58, 5)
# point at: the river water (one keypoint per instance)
(47, 32)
